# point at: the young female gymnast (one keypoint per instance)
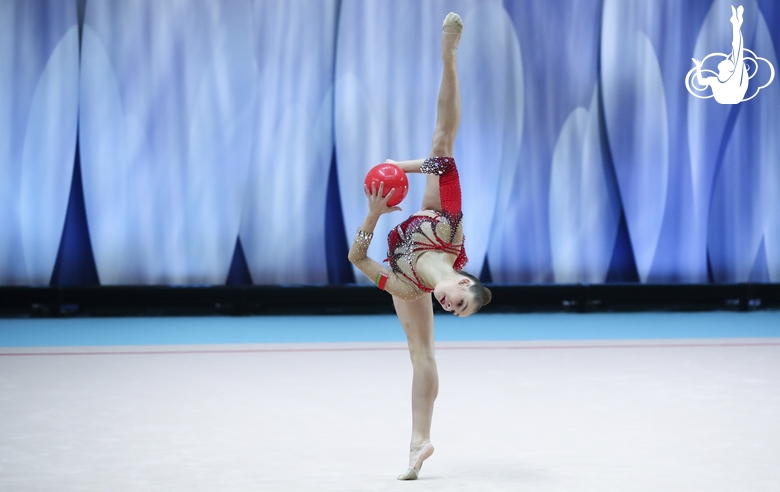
(425, 252)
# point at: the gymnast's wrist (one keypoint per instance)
(363, 237)
(370, 221)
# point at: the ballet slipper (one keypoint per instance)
(451, 29)
(414, 471)
(454, 22)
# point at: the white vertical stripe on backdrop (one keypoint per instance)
(283, 223)
(670, 27)
(584, 201)
(491, 77)
(707, 120)
(769, 142)
(166, 111)
(746, 195)
(38, 116)
(635, 108)
(559, 44)
(388, 72)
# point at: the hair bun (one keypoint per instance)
(488, 296)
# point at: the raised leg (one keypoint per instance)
(416, 318)
(447, 107)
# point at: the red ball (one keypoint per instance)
(394, 178)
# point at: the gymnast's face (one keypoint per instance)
(455, 296)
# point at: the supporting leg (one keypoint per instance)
(447, 108)
(416, 318)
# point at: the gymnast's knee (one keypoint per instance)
(421, 354)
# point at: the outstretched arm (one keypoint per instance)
(412, 166)
(383, 277)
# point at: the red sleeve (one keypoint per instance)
(449, 182)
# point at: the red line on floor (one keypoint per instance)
(364, 349)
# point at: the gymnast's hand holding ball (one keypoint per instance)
(381, 177)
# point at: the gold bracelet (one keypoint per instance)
(363, 237)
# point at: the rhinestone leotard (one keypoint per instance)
(430, 230)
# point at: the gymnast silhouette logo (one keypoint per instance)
(729, 85)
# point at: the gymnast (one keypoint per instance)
(425, 252)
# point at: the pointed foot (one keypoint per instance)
(452, 24)
(450, 36)
(414, 471)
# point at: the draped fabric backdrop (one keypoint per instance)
(213, 141)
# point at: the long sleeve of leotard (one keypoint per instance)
(383, 277)
(449, 191)
(449, 182)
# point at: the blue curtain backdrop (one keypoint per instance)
(213, 141)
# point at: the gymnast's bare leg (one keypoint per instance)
(447, 109)
(416, 317)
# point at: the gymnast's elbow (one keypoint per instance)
(354, 256)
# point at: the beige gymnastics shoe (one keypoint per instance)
(451, 29)
(414, 471)
(454, 22)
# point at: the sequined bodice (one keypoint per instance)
(425, 231)
(430, 230)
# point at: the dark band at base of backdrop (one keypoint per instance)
(239, 300)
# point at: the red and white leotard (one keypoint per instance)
(430, 230)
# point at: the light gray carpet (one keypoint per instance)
(600, 416)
